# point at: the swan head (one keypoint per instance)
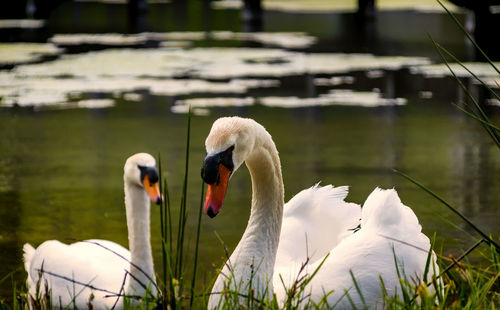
(228, 144)
(140, 170)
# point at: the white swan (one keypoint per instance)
(91, 262)
(316, 222)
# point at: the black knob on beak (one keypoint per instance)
(210, 169)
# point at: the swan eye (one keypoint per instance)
(210, 168)
(150, 172)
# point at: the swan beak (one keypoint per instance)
(216, 192)
(153, 190)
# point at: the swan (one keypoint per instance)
(319, 229)
(104, 265)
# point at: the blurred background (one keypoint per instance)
(349, 90)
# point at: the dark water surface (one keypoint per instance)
(61, 170)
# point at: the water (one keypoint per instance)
(61, 169)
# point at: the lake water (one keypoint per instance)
(61, 169)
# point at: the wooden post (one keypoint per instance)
(366, 8)
(252, 10)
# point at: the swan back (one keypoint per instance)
(389, 229)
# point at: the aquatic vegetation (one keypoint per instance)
(95, 103)
(328, 63)
(342, 97)
(45, 91)
(122, 1)
(22, 23)
(334, 97)
(217, 102)
(211, 63)
(132, 97)
(184, 109)
(295, 40)
(493, 82)
(480, 69)
(493, 102)
(334, 6)
(16, 53)
(170, 72)
(333, 81)
(108, 39)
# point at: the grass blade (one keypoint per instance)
(358, 289)
(198, 229)
(485, 123)
(162, 228)
(183, 214)
(493, 134)
(472, 248)
(468, 36)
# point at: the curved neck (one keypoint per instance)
(259, 243)
(138, 223)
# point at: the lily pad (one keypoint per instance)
(172, 72)
(21, 23)
(184, 109)
(17, 53)
(95, 103)
(440, 70)
(335, 97)
(333, 81)
(322, 6)
(217, 102)
(105, 39)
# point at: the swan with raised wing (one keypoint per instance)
(318, 227)
(99, 272)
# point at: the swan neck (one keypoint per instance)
(267, 195)
(138, 222)
(260, 240)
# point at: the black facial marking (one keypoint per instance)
(150, 172)
(227, 158)
(210, 168)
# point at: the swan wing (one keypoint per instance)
(72, 271)
(314, 222)
(389, 242)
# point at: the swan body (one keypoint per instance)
(99, 272)
(318, 229)
(388, 246)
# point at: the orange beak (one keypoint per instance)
(153, 190)
(216, 192)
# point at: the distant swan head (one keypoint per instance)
(140, 170)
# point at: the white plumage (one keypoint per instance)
(96, 271)
(389, 229)
(314, 223)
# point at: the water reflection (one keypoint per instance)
(472, 177)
